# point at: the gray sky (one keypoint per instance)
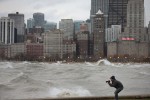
(54, 10)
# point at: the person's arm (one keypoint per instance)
(113, 84)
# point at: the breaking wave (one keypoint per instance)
(62, 92)
(6, 65)
(104, 62)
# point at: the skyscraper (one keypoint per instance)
(6, 30)
(117, 13)
(50, 26)
(103, 6)
(30, 23)
(39, 20)
(67, 26)
(19, 25)
(135, 19)
(99, 35)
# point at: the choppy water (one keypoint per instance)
(20, 80)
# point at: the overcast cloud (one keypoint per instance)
(54, 10)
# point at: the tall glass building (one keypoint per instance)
(117, 13)
(38, 19)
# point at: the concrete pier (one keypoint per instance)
(133, 97)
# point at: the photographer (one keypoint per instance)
(116, 84)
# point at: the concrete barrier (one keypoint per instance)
(133, 97)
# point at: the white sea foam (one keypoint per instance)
(6, 65)
(104, 62)
(63, 92)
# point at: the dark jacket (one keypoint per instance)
(115, 83)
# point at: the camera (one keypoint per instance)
(108, 81)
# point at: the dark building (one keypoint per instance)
(117, 13)
(103, 5)
(99, 35)
(38, 19)
(82, 44)
(34, 51)
(19, 25)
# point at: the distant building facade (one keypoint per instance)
(77, 26)
(69, 50)
(39, 20)
(34, 50)
(99, 34)
(113, 33)
(53, 44)
(82, 44)
(117, 13)
(67, 26)
(50, 26)
(103, 5)
(30, 24)
(128, 50)
(7, 30)
(135, 20)
(17, 49)
(19, 26)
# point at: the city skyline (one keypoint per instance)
(55, 10)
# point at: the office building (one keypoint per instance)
(67, 26)
(82, 44)
(135, 20)
(103, 5)
(117, 13)
(113, 33)
(77, 26)
(99, 34)
(50, 26)
(19, 26)
(6, 30)
(38, 19)
(53, 44)
(30, 24)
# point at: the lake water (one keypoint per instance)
(20, 80)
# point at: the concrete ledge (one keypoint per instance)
(132, 97)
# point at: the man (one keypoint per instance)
(116, 84)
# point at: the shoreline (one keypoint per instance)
(128, 97)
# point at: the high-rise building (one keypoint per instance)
(99, 34)
(82, 44)
(38, 19)
(117, 13)
(135, 19)
(6, 30)
(113, 33)
(30, 23)
(19, 26)
(53, 44)
(103, 5)
(77, 26)
(83, 27)
(50, 26)
(67, 26)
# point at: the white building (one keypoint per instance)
(6, 30)
(113, 33)
(53, 43)
(67, 26)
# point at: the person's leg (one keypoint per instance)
(116, 93)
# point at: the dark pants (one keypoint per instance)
(116, 93)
